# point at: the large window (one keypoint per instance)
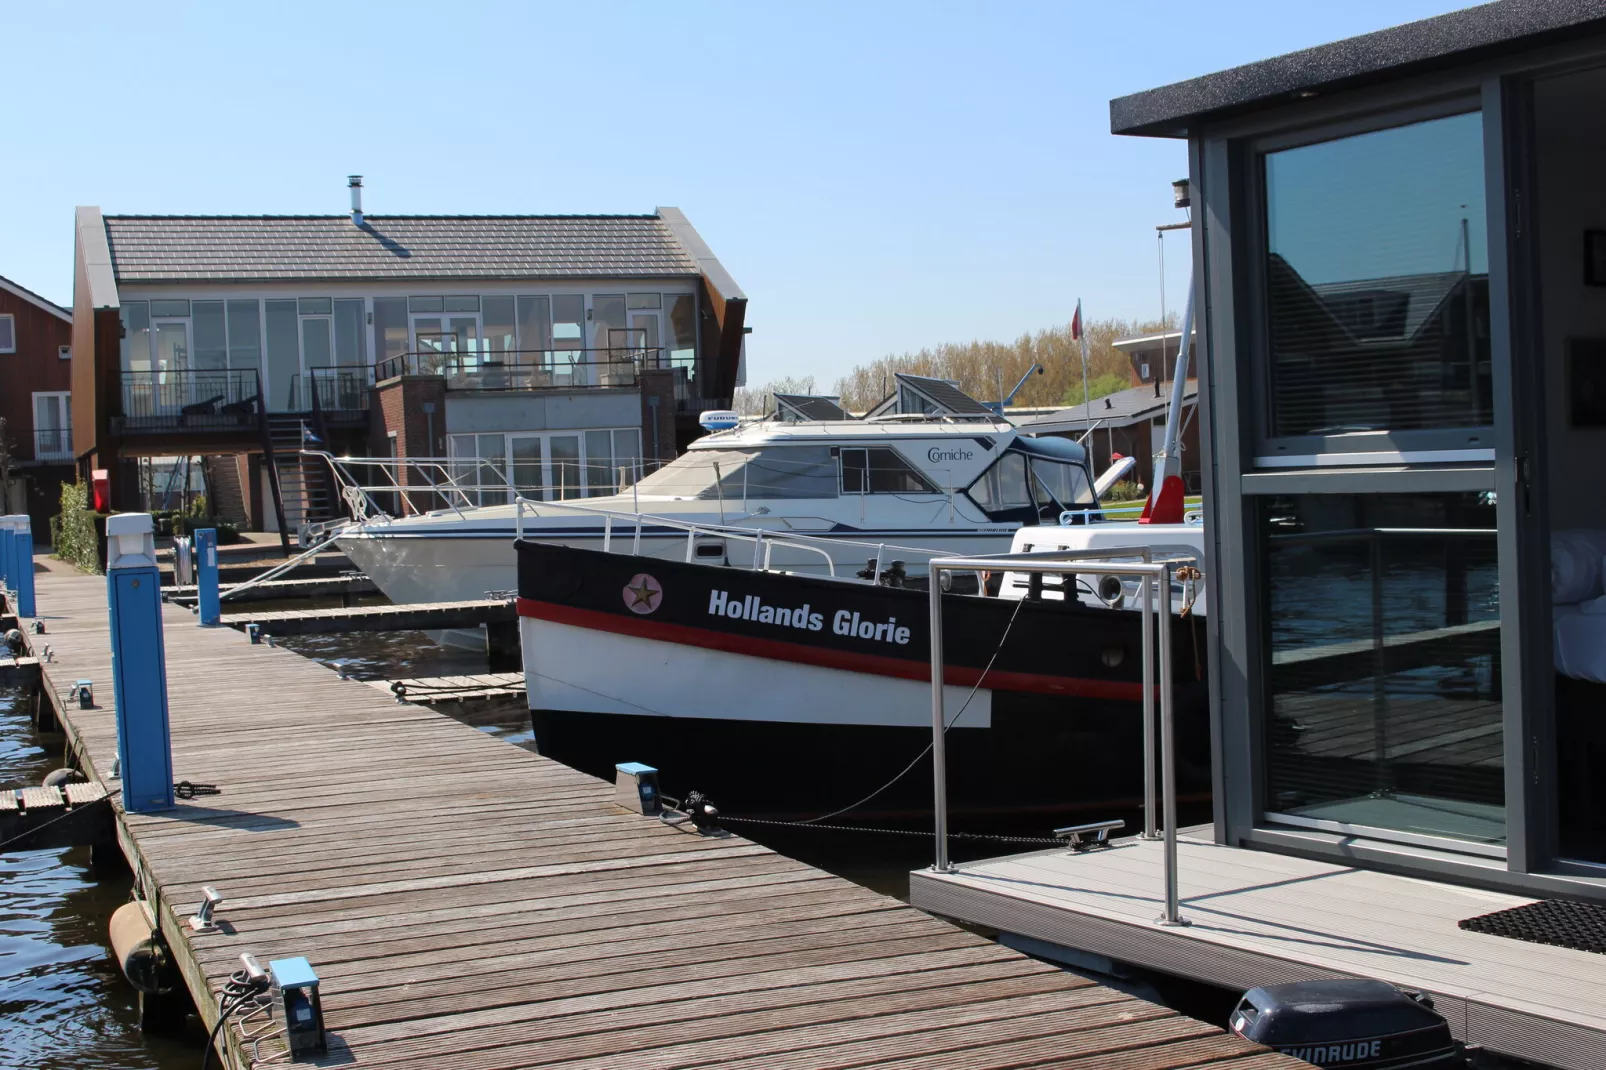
(1377, 283)
(547, 466)
(880, 470)
(52, 426)
(1382, 635)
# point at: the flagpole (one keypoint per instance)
(1087, 398)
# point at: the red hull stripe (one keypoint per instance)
(957, 675)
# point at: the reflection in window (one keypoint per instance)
(136, 344)
(348, 331)
(880, 470)
(682, 330)
(211, 342)
(390, 328)
(245, 334)
(535, 328)
(1382, 629)
(1377, 281)
(1003, 486)
(500, 334)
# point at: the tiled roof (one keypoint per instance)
(256, 248)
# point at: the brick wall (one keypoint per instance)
(398, 405)
(657, 383)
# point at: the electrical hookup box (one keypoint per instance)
(295, 989)
(635, 787)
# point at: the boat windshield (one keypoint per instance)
(736, 474)
(1065, 483)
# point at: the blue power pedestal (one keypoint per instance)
(22, 551)
(8, 555)
(139, 663)
(295, 988)
(206, 595)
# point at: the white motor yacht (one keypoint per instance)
(940, 483)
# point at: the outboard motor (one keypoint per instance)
(1349, 1023)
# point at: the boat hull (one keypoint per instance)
(768, 693)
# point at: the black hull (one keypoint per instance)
(1064, 744)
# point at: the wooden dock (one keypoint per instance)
(453, 688)
(468, 904)
(1259, 918)
(421, 616)
(277, 590)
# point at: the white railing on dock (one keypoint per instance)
(1155, 607)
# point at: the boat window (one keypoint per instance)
(1003, 486)
(1060, 484)
(733, 474)
(880, 470)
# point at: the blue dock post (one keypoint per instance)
(206, 597)
(22, 562)
(139, 663)
(8, 552)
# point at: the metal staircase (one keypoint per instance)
(301, 489)
(226, 489)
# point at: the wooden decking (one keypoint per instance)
(386, 618)
(453, 688)
(468, 904)
(1262, 918)
(277, 590)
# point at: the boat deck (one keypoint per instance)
(1260, 918)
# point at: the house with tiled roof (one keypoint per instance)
(35, 386)
(557, 350)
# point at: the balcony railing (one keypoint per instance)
(339, 392)
(527, 369)
(188, 400)
(52, 444)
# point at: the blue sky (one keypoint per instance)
(878, 177)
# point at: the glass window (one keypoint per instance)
(245, 335)
(284, 355)
(1003, 486)
(607, 316)
(774, 472)
(390, 327)
(170, 308)
(315, 306)
(565, 453)
(8, 333)
(600, 478)
(457, 303)
(526, 454)
(211, 341)
(348, 331)
(1377, 281)
(535, 328)
(643, 301)
(682, 330)
(568, 321)
(1382, 628)
(1060, 485)
(136, 346)
(500, 333)
(317, 347)
(426, 304)
(627, 454)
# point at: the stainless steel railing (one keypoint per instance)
(1156, 608)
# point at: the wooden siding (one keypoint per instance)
(35, 367)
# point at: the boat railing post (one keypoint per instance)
(939, 717)
(635, 546)
(691, 539)
(607, 533)
(518, 517)
(758, 546)
(881, 548)
(1168, 749)
(768, 550)
(1150, 821)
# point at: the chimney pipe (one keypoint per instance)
(355, 182)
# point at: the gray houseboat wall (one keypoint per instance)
(1402, 396)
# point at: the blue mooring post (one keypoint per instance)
(7, 552)
(206, 598)
(22, 561)
(139, 663)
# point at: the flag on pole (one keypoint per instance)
(1076, 322)
(1080, 336)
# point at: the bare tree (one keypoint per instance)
(757, 401)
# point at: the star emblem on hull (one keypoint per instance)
(642, 594)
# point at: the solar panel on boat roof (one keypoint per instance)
(946, 394)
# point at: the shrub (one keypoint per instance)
(73, 535)
(1126, 490)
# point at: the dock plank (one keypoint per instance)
(469, 904)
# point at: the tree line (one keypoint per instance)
(980, 368)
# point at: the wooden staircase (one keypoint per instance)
(227, 488)
(301, 487)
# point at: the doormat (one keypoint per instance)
(1580, 926)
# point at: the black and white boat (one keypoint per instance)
(790, 696)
